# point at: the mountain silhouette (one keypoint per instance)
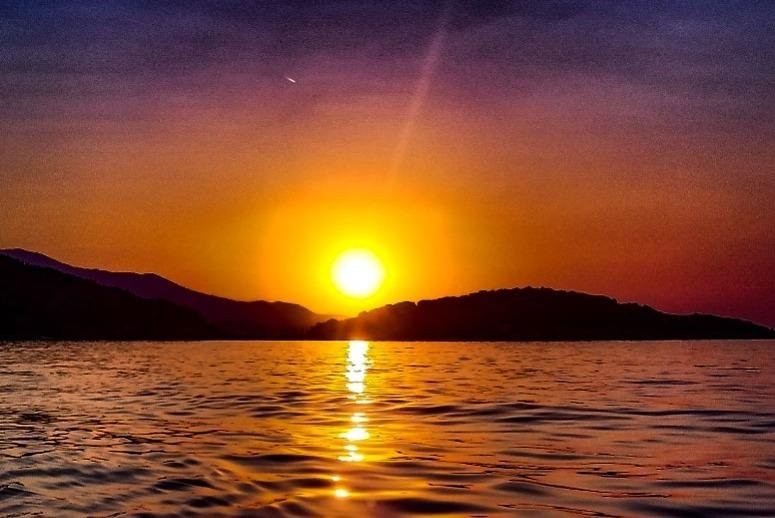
(234, 319)
(531, 314)
(40, 302)
(42, 297)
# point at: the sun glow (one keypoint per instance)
(357, 273)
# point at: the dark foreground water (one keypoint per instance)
(387, 429)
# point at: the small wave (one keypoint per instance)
(414, 505)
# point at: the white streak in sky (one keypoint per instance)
(418, 99)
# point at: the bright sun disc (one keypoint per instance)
(357, 273)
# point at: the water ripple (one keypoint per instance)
(387, 429)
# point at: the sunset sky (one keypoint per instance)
(624, 148)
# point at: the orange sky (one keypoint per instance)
(461, 169)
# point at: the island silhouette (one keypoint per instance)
(232, 318)
(40, 303)
(42, 298)
(530, 314)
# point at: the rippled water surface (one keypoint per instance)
(387, 429)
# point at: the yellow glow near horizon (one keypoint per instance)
(357, 273)
(299, 244)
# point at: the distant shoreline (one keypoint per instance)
(45, 300)
(6, 341)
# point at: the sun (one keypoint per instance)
(357, 273)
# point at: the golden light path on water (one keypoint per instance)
(357, 366)
(387, 429)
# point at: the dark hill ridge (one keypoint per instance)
(235, 319)
(41, 297)
(531, 314)
(44, 303)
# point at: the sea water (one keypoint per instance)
(382, 429)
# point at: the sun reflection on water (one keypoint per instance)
(355, 374)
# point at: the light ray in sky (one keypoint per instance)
(429, 65)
